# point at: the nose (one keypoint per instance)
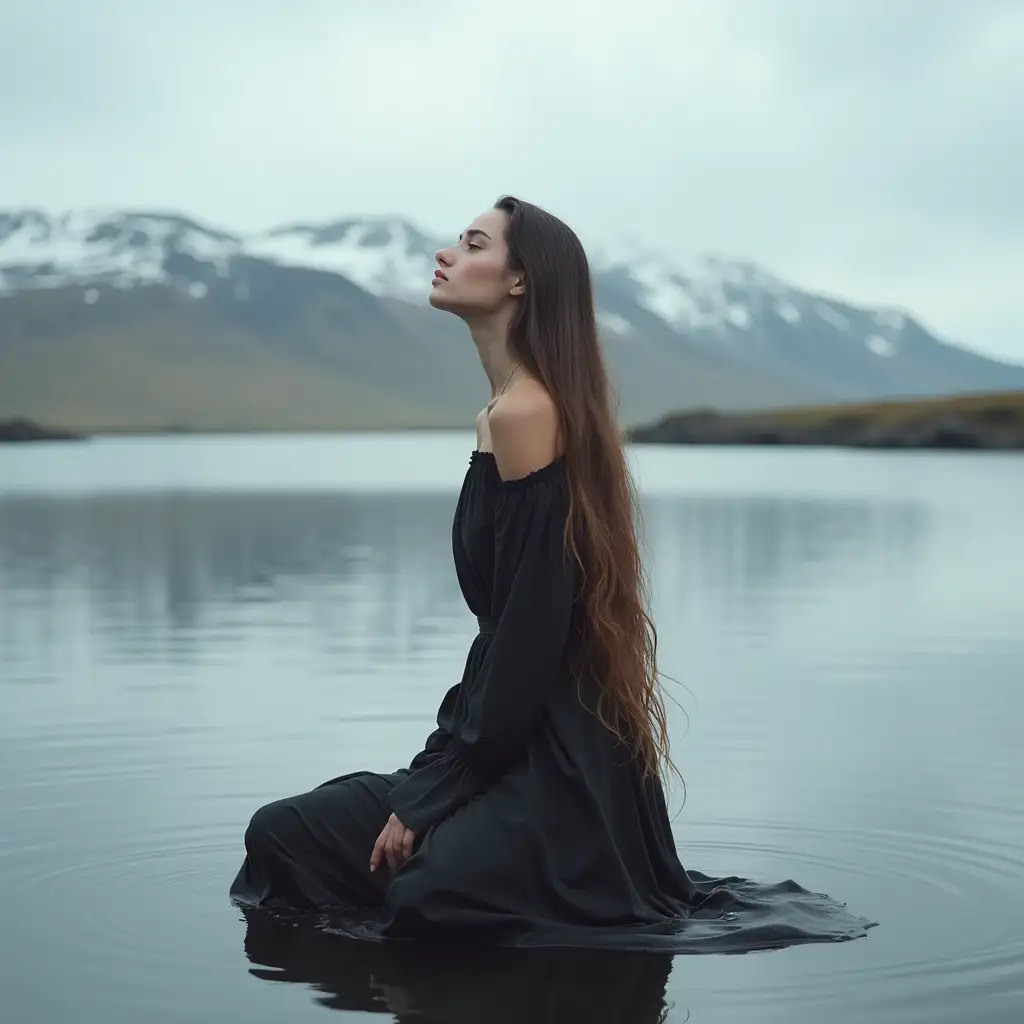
(443, 258)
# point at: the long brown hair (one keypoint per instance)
(554, 333)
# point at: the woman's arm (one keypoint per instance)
(534, 589)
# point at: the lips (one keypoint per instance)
(439, 276)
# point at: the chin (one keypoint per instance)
(439, 301)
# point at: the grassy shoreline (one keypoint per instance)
(20, 429)
(981, 421)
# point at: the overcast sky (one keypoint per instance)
(872, 149)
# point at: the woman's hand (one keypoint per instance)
(394, 843)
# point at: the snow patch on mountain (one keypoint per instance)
(385, 256)
(880, 346)
(709, 293)
(832, 316)
(739, 316)
(787, 311)
(613, 322)
(39, 251)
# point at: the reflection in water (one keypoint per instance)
(463, 985)
(745, 548)
(163, 572)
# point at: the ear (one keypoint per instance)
(518, 286)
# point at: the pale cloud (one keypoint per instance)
(869, 148)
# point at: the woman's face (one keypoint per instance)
(472, 277)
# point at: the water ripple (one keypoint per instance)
(970, 949)
(169, 661)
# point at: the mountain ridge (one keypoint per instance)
(345, 299)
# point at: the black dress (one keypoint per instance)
(533, 825)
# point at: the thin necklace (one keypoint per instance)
(507, 379)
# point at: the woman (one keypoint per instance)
(534, 814)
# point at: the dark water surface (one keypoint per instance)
(190, 627)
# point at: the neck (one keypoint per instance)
(491, 339)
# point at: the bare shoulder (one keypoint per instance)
(524, 430)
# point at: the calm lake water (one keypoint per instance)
(190, 627)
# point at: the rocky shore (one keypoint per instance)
(991, 421)
(26, 430)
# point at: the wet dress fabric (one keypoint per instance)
(534, 827)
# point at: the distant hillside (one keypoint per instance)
(994, 421)
(25, 430)
(117, 320)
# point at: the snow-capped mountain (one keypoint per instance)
(715, 294)
(729, 311)
(384, 256)
(90, 247)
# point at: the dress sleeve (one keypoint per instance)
(534, 588)
(437, 742)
